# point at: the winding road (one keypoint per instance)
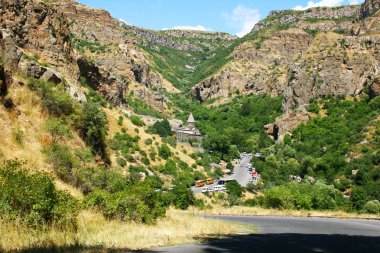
(293, 235)
(240, 174)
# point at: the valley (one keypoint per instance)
(97, 140)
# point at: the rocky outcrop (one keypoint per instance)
(286, 123)
(374, 87)
(369, 7)
(284, 57)
(66, 40)
(178, 39)
(257, 70)
(288, 17)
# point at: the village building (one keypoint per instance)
(185, 133)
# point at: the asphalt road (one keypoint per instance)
(293, 235)
(240, 174)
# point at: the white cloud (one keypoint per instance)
(242, 18)
(355, 1)
(122, 20)
(189, 27)
(325, 3)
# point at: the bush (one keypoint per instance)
(137, 121)
(57, 129)
(91, 179)
(169, 168)
(372, 206)
(54, 98)
(359, 198)
(93, 128)
(182, 197)
(171, 141)
(164, 151)
(138, 203)
(33, 199)
(62, 160)
(120, 120)
(234, 188)
(304, 196)
(121, 162)
(162, 128)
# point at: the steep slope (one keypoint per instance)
(270, 58)
(183, 57)
(302, 55)
(67, 41)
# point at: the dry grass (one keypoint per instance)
(242, 210)
(94, 231)
(181, 151)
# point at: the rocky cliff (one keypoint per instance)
(302, 56)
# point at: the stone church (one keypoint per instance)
(184, 133)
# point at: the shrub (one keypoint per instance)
(120, 120)
(137, 121)
(57, 129)
(84, 155)
(162, 128)
(62, 160)
(164, 151)
(169, 168)
(372, 206)
(304, 196)
(139, 203)
(91, 179)
(182, 197)
(93, 128)
(171, 141)
(359, 197)
(121, 162)
(148, 141)
(234, 188)
(54, 98)
(33, 199)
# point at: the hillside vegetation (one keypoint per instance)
(336, 152)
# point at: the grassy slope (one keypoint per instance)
(96, 233)
(24, 137)
(186, 68)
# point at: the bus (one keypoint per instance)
(200, 183)
(210, 180)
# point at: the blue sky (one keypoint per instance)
(232, 16)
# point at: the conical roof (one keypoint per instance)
(191, 119)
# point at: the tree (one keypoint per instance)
(234, 188)
(358, 197)
(163, 128)
(182, 197)
(230, 166)
(93, 128)
(164, 151)
(217, 142)
(57, 129)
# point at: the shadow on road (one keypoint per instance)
(292, 243)
(261, 243)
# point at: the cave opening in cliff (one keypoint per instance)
(3, 85)
(276, 132)
(198, 95)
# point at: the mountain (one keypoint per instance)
(303, 55)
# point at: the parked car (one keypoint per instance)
(205, 189)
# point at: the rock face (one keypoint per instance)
(60, 40)
(286, 17)
(177, 39)
(370, 7)
(287, 54)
